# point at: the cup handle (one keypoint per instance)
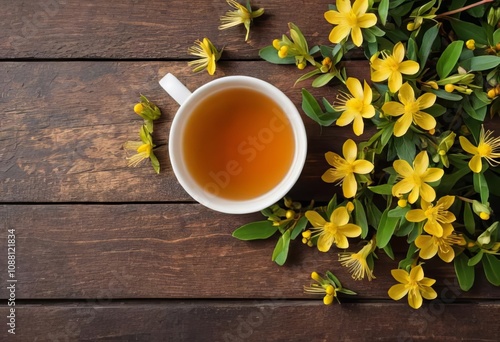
(175, 88)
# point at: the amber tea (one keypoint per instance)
(238, 144)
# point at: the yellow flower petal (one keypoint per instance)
(416, 215)
(403, 168)
(475, 164)
(421, 163)
(414, 299)
(433, 228)
(427, 282)
(398, 52)
(417, 273)
(406, 94)
(367, 94)
(362, 167)
(345, 118)
(357, 36)
(424, 120)
(446, 253)
(341, 241)
(467, 146)
(414, 194)
(432, 175)
(354, 86)
(395, 81)
(393, 108)
(427, 193)
(350, 150)
(428, 293)
(409, 67)
(446, 201)
(343, 6)
(350, 230)
(427, 100)
(397, 291)
(332, 176)
(367, 20)
(402, 125)
(427, 248)
(379, 75)
(349, 186)
(315, 219)
(338, 33)
(358, 126)
(359, 7)
(401, 276)
(340, 216)
(333, 17)
(325, 242)
(332, 158)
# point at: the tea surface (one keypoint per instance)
(238, 144)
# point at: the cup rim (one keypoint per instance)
(254, 204)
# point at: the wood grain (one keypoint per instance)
(63, 125)
(174, 251)
(133, 29)
(264, 320)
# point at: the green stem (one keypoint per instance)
(465, 8)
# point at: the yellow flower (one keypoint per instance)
(334, 232)
(241, 15)
(322, 287)
(392, 67)
(410, 110)
(413, 284)
(350, 20)
(488, 148)
(143, 149)
(442, 245)
(436, 215)
(415, 179)
(356, 106)
(356, 262)
(344, 169)
(208, 56)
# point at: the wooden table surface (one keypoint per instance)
(111, 253)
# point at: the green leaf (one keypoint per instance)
(280, 252)
(469, 223)
(313, 110)
(323, 79)
(388, 250)
(491, 265)
(496, 37)
(481, 63)
(443, 94)
(333, 278)
(255, 231)
(331, 206)
(299, 227)
(398, 211)
(412, 50)
(386, 228)
(308, 75)
(360, 217)
(427, 41)
(405, 147)
(383, 10)
(481, 187)
(373, 214)
(270, 54)
(476, 258)
(466, 31)
(384, 189)
(449, 58)
(464, 272)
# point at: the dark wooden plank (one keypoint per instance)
(139, 29)
(269, 320)
(63, 125)
(171, 251)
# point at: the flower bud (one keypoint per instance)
(449, 87)
(471, 44)
(482, 210)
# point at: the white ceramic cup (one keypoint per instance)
(188, 102)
